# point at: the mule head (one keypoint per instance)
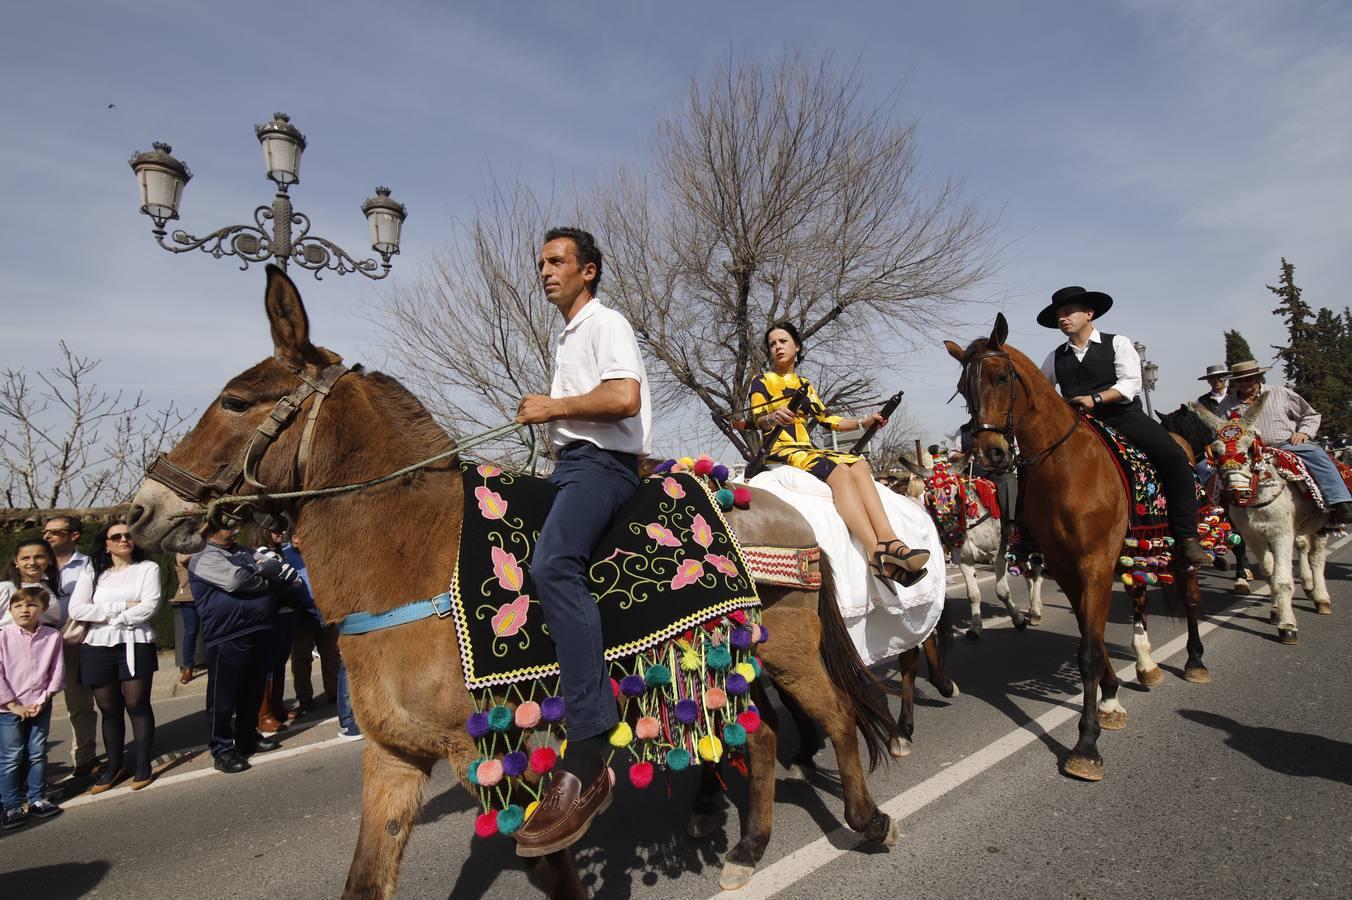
(172, 519)
(1236, 453)
(988, 385)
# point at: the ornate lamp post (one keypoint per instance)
(162, 178)
(1150, 376)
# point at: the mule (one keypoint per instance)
(1075, 509)
(1272, 514)
(380, 546)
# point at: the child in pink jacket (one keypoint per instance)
(31, 671)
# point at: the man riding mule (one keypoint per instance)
(599, 416)
(344, 454)
(1100, 374)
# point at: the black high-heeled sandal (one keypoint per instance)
(911, 560)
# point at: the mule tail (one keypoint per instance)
(867, 695)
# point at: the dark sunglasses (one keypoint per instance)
(120, 537)
(56, 531)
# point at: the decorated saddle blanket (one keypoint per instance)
(958, 503)
(679, 614)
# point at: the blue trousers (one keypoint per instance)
(237, 676)
(192, 626)
(346, 720)
(593, 484)
(23, 741)
(1322, 470)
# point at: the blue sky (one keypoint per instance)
(1168, 153)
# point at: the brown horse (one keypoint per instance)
(382, 546)
(1075, 509)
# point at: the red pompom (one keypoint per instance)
(712, 625)
(641, 774)
(486, 825)
(750, 721)
(615, 688)
(741, 498)
(738, 616)
(542, 759)
(704, 465)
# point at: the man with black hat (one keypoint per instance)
(1218, 377)
(1101, 374)
(1287, 420)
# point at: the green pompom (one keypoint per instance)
(678, 760)
(734, 735)
(719, 658)
(474, 771)
(657, 675)
(724, 498)
(499, 718)
(510, 819)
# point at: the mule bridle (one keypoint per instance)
(243, 469)
(1232, 460)
(970, 388)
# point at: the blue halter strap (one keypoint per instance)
(364, 623)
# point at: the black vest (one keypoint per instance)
(1096, 372)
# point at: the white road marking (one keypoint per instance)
(782, 874)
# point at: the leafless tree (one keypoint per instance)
(778, 194)
(63, 440)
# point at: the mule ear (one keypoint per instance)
(290, 325)
(999, 332)
(1209, 419)
(914, 468)
(954, 350)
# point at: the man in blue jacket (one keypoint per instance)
(235, 590)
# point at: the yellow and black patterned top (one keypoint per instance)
(772, 391)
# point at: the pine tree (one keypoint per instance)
(1236, 348)
(1317, 360)
(1296, 313)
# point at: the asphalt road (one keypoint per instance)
(1237, 788)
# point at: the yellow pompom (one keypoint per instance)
(530, 809)
(622, 735)
(687, 462)
(1126, 579)
(563, 748)
(746, 670)
(690, 661)
(710, 748)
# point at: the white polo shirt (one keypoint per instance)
(599, 345)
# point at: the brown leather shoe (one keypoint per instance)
(184, 674)
(269, 724)
(564, 814)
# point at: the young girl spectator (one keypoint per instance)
(117, 595)
(31, 671)
(34, 565)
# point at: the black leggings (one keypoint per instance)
(132, 698)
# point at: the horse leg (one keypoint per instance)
(1084, 761)
(740, 863)
(809, 740)
(1111, 714)
(907, 663)
(936, 659)
(1185, 581)
(1002, 590)
(968, 570)
(1319, 548)
(705, 815)
(559, 876)
(391, 793)
(1034, 577)
(1148, 671)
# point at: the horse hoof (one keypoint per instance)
(1020, 623)
(1323, 607)
(1242, 586)
(956, 692)
(1288, 635)
(1197, 674)
(1150, 677)
(701, 825)
(899, 748)
(794, 773)
(893, 834)
(735, 875)
(1115, 720)
(1034, 619)
(974, 634)
(1083, 768)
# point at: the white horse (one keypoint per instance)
(1272, 514)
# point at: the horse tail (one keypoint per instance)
(867, 695)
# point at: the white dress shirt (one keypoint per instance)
(1126, 363)
(108, 609)
(599, 345)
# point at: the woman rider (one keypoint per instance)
(848, 476)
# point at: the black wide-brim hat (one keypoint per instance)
(1098, 301)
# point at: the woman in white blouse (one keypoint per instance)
(116, 596)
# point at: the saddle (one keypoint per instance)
(680, 616)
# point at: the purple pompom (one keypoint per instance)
(551, 709)
(736, 684)
(741, 638)
(664, 467)
(632, 686)
(720, 473)
(765, 634)
(477, 726)
(514, 764)
(687, 711)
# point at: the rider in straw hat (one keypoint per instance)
(1288, 421)
(1218, 376)
(1101, 375)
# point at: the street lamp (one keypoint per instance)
(1150, 375)
(162, 179)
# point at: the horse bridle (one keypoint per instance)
(243, 468)
(969, 387)
(1230, 460)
